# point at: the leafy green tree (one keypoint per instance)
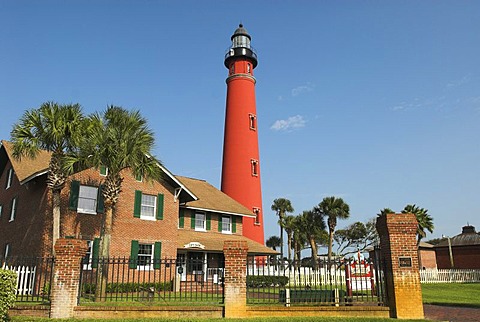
(55, 128)
(425, 221)
(273, 242)
(289, 226)
(333, 209)
(282, 206)
(119, 140)
(356, 237)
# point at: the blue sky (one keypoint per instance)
(377, 102)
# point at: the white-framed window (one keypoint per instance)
(226, 224)
(6, 251)
(200, 221)
(254, 167)
(87, 259)
(9, 178)
(252, 121)
(145, 257)
(139, 178)
(87, 200)
(13, 209)
(256, 212)
(148, 207)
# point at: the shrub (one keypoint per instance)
(129, 287)
(8, 283)
(266, 281)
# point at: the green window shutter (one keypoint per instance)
(95, 252)
(160, 198)
(181, 217)
(74, 191)
(133, 254)
(100, 201)
(103, 170)
(220, 223)
(137, 207)
(157, 254)
(209, 221)
(192, 222)
(234, 224)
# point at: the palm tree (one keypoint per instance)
(385, 211)
(313, 226)
(425, 221)
(282, 206)
(299, 239)
(333, 208)
(118, 140)
(289, 226)
(54, 128)
(273, 242)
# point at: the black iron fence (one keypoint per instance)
(338, 282)
(34, 276)
(160, 282)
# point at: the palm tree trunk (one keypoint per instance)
(55, 218)
(330, 244)
(102, 271)
(281, 243)
(289, 242)
(313, 246)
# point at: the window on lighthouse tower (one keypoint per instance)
(253, 121)
(256, 212)
(254, 167)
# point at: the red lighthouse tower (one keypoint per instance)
(241, 161)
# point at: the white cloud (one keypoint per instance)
(464, 80)
(293, 122)
(302, 89)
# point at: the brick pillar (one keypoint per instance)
(235, 288)
(66, 276)
(398, 245)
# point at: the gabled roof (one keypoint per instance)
(26, 168)
(211, 199)
(214, 242)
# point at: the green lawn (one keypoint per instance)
(453, 294)
(287, 319)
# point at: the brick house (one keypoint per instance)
(465, 249)
(174, 217)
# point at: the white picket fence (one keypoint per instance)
(25, 278)
(433, 275)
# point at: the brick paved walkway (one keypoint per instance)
(452, 314)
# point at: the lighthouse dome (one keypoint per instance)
(241, 31)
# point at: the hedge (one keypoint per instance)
(266, 281)
(129, 287)
(8, 284)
